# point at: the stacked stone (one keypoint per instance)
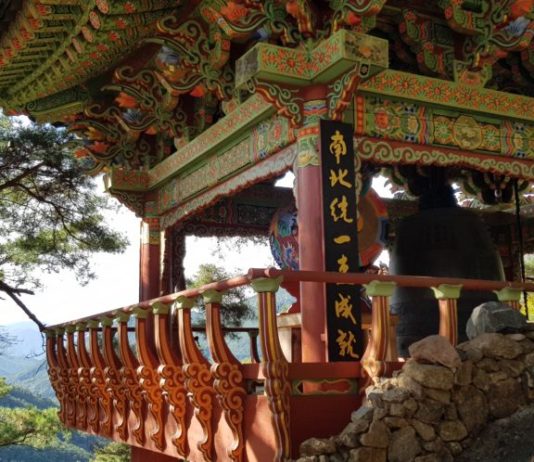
(432, 409)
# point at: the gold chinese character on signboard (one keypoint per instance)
(346, 341)
(342, 239)
(338, 147)
(343, 264)
(338, 210)
(339, 177)
(344, 307)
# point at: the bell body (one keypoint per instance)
(442, 242)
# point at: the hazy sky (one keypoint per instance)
(63, 299)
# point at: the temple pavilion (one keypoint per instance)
(193, 109)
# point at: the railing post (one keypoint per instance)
(198, 379)
(228, 377)
(112, 382)
(448, 295)
(129, 378)
(511, 296)
(147, 375)
(105, 425)
(171, 376)
(274, 364)
(84, 376)
(54, 370)
(70, 375)
(382, 346)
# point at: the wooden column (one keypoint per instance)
(149, 267)
(448, 295)
(382, 346)
(309, 200)
(511, 296)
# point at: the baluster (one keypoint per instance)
(448, 295)
(198, 380)
(274, 365)
(70, 407)
(148, 378)
(172, 376)
(382, 345)
(129, 377)
(253, 346)
(228, 377)
(104, 413)
(511, 296)
(84, 378)
(54, 373)
(113, 380)
(75, 379)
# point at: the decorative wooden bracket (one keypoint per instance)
(148, 378)
(129, 378)
(98, 379)
(198, 378)
(113, 381)
(172, 377)
(360, 15)
(278, 73)
(274, 364)
(54, 369)
(228, 377)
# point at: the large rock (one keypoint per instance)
(429, 411)
(317, 446)
(491, 317)
(377, 436)
(472, 407)
(426, 432)
(367, 455)
(429, 375)
(435, 349)
(464, 374)
(504, 398)
(350, 436)
(452, 431)
(404, 446)
(496, 346)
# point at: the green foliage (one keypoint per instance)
(4, 387)
(50, 216)
(29, 426)
(234, 309)
(113, 452)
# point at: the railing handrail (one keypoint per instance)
(401, 281)
(309, 276)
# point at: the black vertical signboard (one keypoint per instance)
(341, 240)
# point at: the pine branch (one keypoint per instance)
(13, 293)
(16, 181)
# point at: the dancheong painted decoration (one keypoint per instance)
(192, 110)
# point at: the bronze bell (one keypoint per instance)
(443, 242)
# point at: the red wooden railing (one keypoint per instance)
(154, 389)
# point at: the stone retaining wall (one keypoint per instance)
(432, 409)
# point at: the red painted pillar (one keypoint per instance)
(310, 222)
(149, 271)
